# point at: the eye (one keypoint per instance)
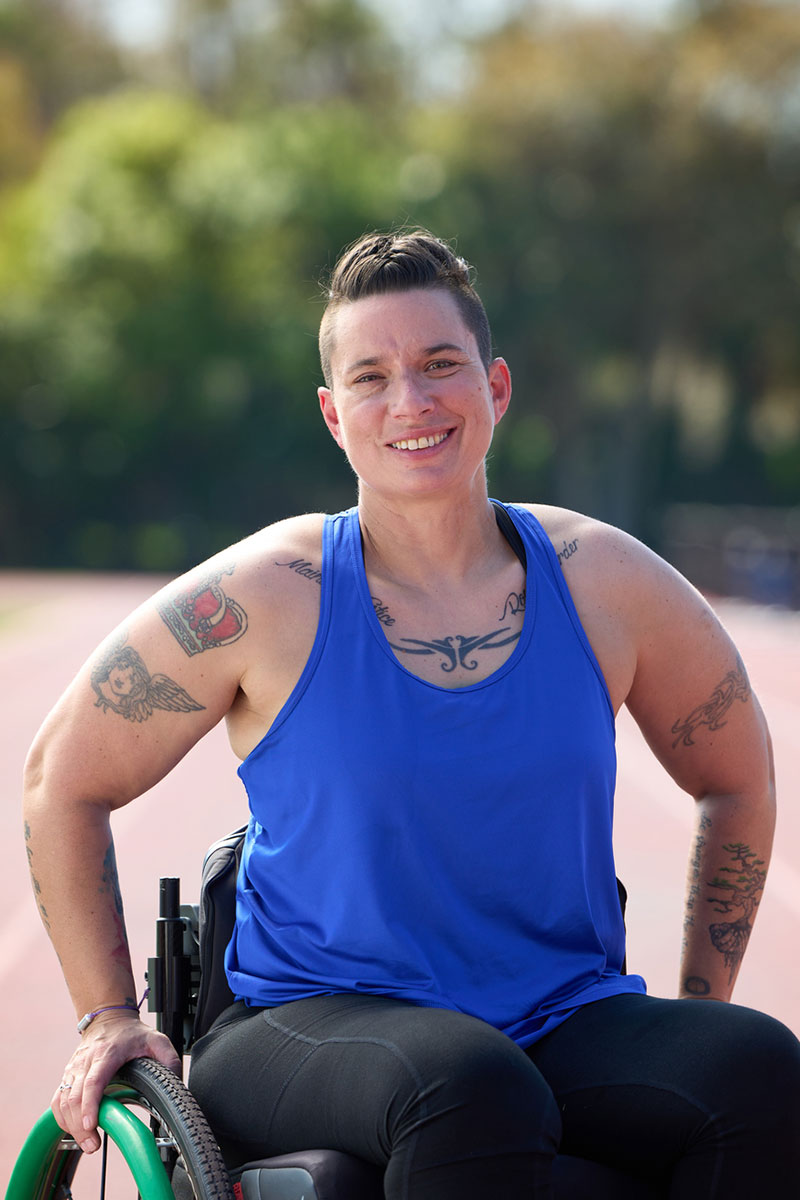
(370, 377)
(441, 364)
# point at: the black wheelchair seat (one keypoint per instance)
(310, 1174)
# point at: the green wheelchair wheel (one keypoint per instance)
(156, 1145)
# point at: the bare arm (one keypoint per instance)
(693, 701)
(130, 715)
(666, 655)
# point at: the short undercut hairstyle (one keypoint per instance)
(398, 262)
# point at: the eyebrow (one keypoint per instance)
(428, 352)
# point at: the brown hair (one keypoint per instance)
(398, 262)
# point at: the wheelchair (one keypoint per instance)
(153, 1126)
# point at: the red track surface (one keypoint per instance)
(49, 624)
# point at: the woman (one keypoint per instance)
(422, 691)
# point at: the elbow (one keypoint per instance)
(33, 776)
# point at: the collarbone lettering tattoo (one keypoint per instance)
(123, 685)
(515, 603)
(382, 612)
(567, 550)
(302, 566)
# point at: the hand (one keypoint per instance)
(112, 1039)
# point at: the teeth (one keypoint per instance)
(422, 443)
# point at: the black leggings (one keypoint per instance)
(702, 1093)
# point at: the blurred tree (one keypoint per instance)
(62, 54)
(641, 258)
(157, 320)
(632, 200)
(242, 57)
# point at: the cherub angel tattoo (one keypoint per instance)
(125, 686)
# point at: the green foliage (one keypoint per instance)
(631, 199)
(159, 318)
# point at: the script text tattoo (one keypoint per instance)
(694, 885)
(515, 603)
(109, 886)
(37, 889)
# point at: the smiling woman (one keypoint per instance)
(428, 956)
(421, 398)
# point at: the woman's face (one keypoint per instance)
(412, 405)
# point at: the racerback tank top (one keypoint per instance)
(448, 847)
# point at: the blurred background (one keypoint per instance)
(175, 178)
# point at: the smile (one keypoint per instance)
(422, 443)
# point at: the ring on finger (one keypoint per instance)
(64, 1087)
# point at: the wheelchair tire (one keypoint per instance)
(184, 1145)
(193, 1157)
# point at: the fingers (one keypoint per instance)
(103, 1050)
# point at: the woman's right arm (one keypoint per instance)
(131, 714)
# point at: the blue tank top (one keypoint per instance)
(448, 847)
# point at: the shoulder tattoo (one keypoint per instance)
(124, 685)
(713, 713)
(204, 617)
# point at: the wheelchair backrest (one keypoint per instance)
(217, 915)
(208, 927)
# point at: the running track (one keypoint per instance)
(49, 623)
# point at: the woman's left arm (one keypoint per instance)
(692, 699)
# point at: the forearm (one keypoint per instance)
(75, 883)
(726, 874)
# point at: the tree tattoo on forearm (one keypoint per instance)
(741, 890)
(735, 686)
(124, 686)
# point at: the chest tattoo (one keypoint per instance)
(457, 650)
(515, 603)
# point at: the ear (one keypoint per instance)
(329, 415)
(500, 386)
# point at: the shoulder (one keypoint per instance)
(610, 558)
(644, 619)
(606, 567)
(264, 566)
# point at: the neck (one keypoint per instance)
(419, 541)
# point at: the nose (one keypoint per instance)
(410, 396)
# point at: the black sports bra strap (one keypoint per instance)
(510, 532)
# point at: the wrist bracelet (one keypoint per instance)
(88, 1017)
